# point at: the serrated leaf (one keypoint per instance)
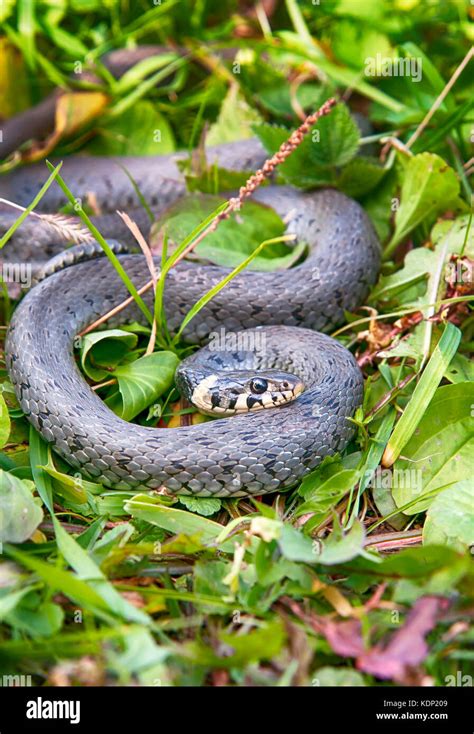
(333, 142)
(360, 176)
(143, 381)
(450, 518)
(235, 119)
(441, 448)
(202, 505)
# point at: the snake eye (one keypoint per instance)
(259, 385)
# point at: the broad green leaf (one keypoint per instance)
(235, 119)
(429, 187)
(423, 393)
(102, 351)
(339, 548)
(236, 237)
(20, 513)
(360, 176)
(145, 507)
(439, 453)
(37, 620)
(11, 600)
(143, 381)
(140, 130)
(4, 422)
(450, 517)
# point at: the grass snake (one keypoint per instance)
(275, 318)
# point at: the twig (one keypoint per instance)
(235, 202)
(439, 100)
(145, 248)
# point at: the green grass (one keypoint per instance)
(192, 591)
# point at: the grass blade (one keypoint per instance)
(423, 393)
(105, 246)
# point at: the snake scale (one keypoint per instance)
(283, 312)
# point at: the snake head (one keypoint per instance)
(233, 393)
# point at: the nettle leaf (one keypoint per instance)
(450, 518)
(20, 513)
(202, 505)
(429, 187)
(440, 451)
(102, 351)
(237, 237)
(143, 381)
(332, 143)
(140, 130)
(235, 119)
(360, 176)
(4, 422)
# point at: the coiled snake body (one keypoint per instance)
(282, 311)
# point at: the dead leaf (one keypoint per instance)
(73, 111)
(407, 647)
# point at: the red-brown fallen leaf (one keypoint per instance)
(407, 647)
(392, 660)
(345, 638)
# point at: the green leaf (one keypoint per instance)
(4, 422)
(423, 393)
(360, 176)
(237, 236)
(149, 508)
(340, 548)
(337, 677)
(333, 142)
(450, 518)
(20, 514)
(87, 570)
(143, 381)
(440, 449)
(202, 505)
(62, 581)
(103, 350)
(235, 119)
(140, 130)
(429, 187)
(324, 488)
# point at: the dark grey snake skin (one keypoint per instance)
(247, 454)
